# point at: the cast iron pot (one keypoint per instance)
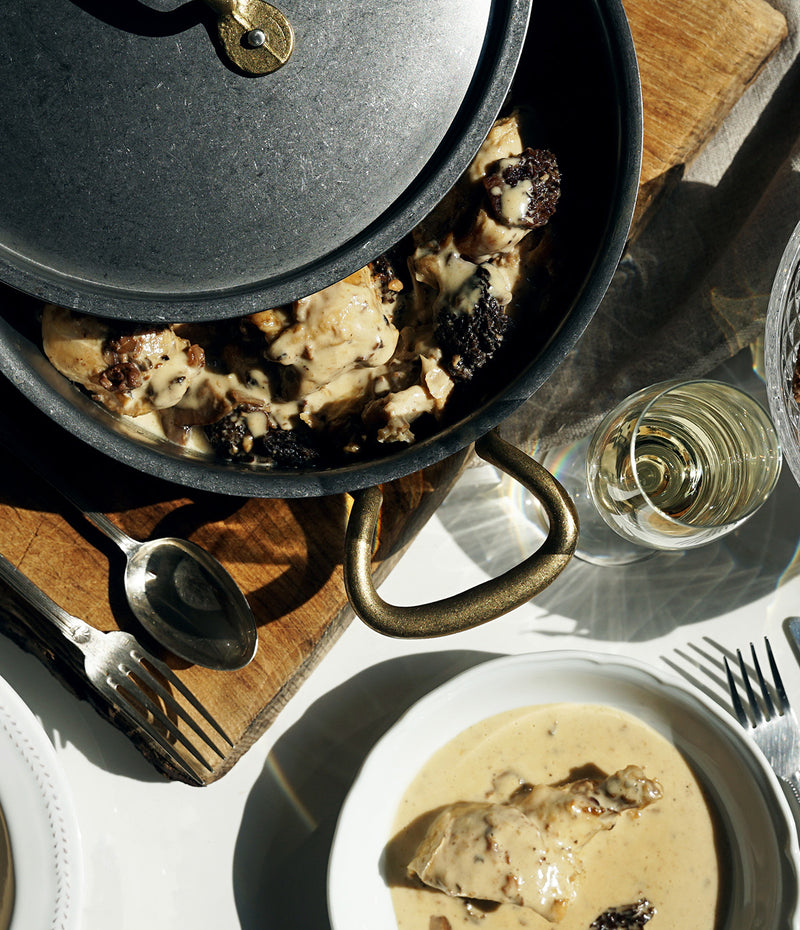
(578, 71)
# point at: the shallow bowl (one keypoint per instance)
(763, 853)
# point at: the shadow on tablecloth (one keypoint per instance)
(692, 290)
(281, 857)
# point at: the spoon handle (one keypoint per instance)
(101, 521)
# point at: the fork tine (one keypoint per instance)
(152, 682)
(141, 699)
(783, 698)
(768, 705)
(135, 717)
(755, 707)
(738, 709)
(108, 686)
(130, 695)
(166, 672)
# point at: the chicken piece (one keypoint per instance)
(526, 851)
(496, 852)
(522, 191)
(344, 398)
(453, 278)
(488, 237)
(503, 140)
(457, 208)
(577, 811)
(270, 322)
(394, 411)
(438, 384)
(235, 375)
(131, 369)
(397, 412)
(336, 330)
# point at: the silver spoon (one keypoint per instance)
(180, 594)
(184, 598)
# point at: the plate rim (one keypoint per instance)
(776, 326)
(49, 790)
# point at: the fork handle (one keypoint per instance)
(74, 629)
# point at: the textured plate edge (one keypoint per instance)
(774, 361)
(38, 753)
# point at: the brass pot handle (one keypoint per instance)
(486, 601)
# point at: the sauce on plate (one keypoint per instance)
(666, 853)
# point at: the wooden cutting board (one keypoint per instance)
(695, 60)
(285, 555)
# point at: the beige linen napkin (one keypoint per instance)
(693, 289)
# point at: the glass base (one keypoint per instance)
(597, 542)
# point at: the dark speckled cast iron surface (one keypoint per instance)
(285, 553)
(146, 178)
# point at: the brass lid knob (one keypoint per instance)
(256, 37)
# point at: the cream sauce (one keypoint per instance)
(666, 853)
(338, 329)
(488, 239)
(514, 199)
(74, 344)
(454, 278)
(503, 141)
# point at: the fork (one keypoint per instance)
(134, 681)
(774, 728)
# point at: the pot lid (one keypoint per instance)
(199, 160)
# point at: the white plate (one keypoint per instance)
(764, 854)
(45, 842)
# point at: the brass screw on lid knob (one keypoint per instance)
(256, 37)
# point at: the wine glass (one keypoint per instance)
(681, 463)
(673, 466)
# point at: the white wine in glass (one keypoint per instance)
(680, 464)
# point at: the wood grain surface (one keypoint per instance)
(695, 59)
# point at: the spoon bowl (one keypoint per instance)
(185, 599)
(189, 603)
